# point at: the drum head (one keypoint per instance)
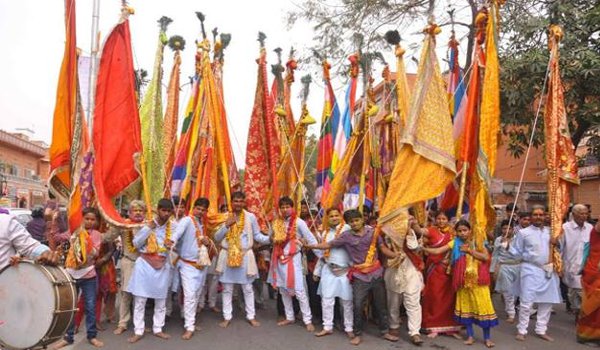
(27, 307)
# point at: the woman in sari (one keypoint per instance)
(588, 323)
(438, 299)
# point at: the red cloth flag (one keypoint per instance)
(116, 135)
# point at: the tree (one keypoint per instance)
(523, 50)
(524, 60)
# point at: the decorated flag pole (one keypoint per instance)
(369, 110)
(305, 121)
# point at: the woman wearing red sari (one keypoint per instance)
(588, 323)
(438, 297)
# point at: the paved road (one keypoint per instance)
(241, 336)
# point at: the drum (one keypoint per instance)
(37, 305)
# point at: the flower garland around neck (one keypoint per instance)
(338, 232)
(152, 246)
(234, 241)
(447, 230)
(281, 234)
(128, 241)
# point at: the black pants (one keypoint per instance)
(360, 290)
(314, 299)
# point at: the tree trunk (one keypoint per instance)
(582, 127)
(471, 38)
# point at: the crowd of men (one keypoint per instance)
(310, 261)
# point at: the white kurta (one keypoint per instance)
(332, 285)
(302, 232)
(251, 234)
(15, 238)
(535, 285)
(572, 244)
(404, 278)
(146, 281)
(186, 246)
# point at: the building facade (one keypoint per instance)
(24, 167)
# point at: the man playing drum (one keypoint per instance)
(14, 239)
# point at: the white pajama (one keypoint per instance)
(158, 320)
(412, 304)
(509, 304)
(192, 281)
(327, 304)
(543, 317)
(289, 306)
(227, 293)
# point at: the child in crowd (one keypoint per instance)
(470, 279)
(505, 269)
(80, 264)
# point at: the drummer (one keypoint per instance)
(14, 239)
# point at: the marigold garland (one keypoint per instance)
(338, 231)
(152, 247)
(281, 234)
(234, 241)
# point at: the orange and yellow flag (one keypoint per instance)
(560, 153)
(69, 131)
(427, 147)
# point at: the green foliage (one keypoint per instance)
(524, 58)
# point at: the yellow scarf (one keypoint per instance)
(234, 240)
(370, 259)
(152, 246)
(79, 250)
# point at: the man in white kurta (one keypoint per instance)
(573, 243)
(137, 209)
(247, 272)
(14, 239)
(538, 282)
(151, 273)
(404, 283)
(190, 242)
(332, 269)
(290, 279)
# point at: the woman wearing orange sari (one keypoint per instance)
(438, 297)
(588, 323)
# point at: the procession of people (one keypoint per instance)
(388, 210)
(358, 266)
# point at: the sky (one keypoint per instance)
(32, 34)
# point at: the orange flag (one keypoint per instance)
(116, 137)
(69, 132)
(560, 153)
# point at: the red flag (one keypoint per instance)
(116, 134)
(262, 151)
